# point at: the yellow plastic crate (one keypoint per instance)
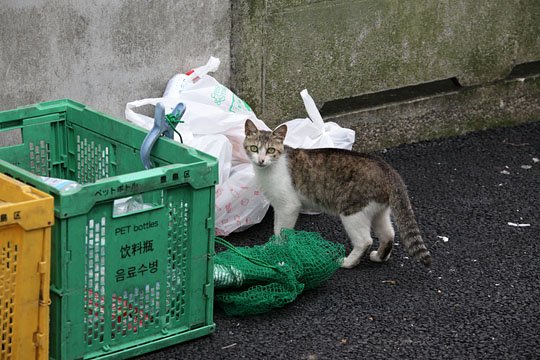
(26, 217)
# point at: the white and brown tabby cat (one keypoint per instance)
(362, 189)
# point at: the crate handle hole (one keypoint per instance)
(132, 205)
(11, 138)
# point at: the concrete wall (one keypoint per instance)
(347, 53)
(346, 48)
(105, 53)
(502, 103)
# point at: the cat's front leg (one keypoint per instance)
(285, 217)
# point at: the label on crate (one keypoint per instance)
(5, 217)
(138, 253)
(132, 228)
(117, 190)
(136, 271)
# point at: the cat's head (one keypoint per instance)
(263, 148)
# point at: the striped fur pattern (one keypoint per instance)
(363, 190)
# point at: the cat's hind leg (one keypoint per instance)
(385, 232)
(358, 227)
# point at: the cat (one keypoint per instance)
(361, 189)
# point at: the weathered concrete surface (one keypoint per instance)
(501, 103)
(105, 53)
(342, 49)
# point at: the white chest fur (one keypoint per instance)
(276, 184)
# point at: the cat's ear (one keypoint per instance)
(250, 128)
(280, 132)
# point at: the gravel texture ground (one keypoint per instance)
(477, 201)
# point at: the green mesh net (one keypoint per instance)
(254, 280)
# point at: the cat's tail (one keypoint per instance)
(406, 223)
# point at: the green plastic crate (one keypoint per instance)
(121, 285)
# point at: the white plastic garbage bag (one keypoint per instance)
(214, 123)
(313, 132)
(238, 204)
(218, 146)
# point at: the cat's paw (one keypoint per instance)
(349, 263)
(374, 256)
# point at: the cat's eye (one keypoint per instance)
(270, 150)
(253, 148)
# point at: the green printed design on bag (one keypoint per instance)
(238, 105)
(219, 94)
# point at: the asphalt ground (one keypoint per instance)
(480, 299)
